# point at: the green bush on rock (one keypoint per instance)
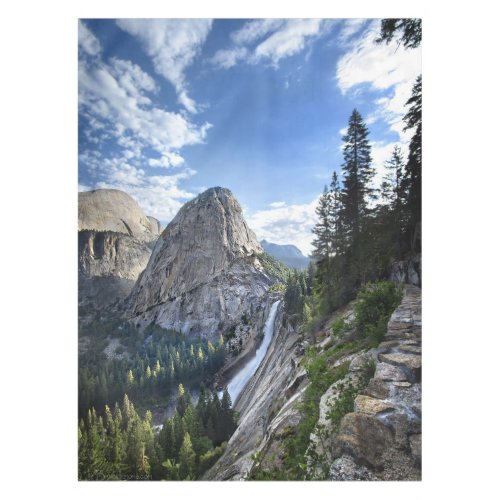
(375, 303)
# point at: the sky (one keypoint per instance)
(170, 107)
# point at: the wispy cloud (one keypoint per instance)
(173, 45)
(277, 204)
(158, 195)
(349, 28)
(253, 31)
(227, 58)
(269, 40)
(115, 97)
(289, 224)
(128, 132)
(87, 41)
(383, 67)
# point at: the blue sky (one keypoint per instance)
(168, 108)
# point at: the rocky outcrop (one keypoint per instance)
(105, 253)
(156, 227)
(115, 240)
(203, 274)
(381, 439)
(407, 271)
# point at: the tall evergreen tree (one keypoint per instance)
(394, 194)
(322, 229)
(335, 214)
(227, 415)
(413, 177)
(357, 190)
(358, 174)
(186, 458)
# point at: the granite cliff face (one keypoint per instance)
(115, 211)
(263, 398)
(115, 239)
(379, 440)
(204, 272)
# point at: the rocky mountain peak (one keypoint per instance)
(116, 211)
(203, 269)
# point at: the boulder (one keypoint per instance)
(364, 438)
(410, 362)
(371, 406)
(386, 371)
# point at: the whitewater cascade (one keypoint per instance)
(240, 380)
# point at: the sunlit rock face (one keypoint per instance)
(203, 274)
(116, 211)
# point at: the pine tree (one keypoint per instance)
(172, 470)
(187, 458)
(413, 177)
(322, 229)
(130, 378)
(410, 32)
(179, 431)
(394, 194)
(358, 175)
(357, 189)
(227, 415)
(335, 216)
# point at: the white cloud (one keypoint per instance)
(227, 58)
(115, 94)
(173, 45)
(131, 77)
(83, 187)
(270, 40)
(277, 204)
(349, 28)
(116, 100)
(343, 131)
(290, 224)
(384, 68)
(252, 31)
(289, 40)
(87, 40)
(167, 160)
(158, 195)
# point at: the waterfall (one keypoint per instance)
(240, 380)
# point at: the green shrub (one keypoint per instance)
(338, 326)
(277, 287)
(375, 303)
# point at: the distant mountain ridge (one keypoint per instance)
(288, 254)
